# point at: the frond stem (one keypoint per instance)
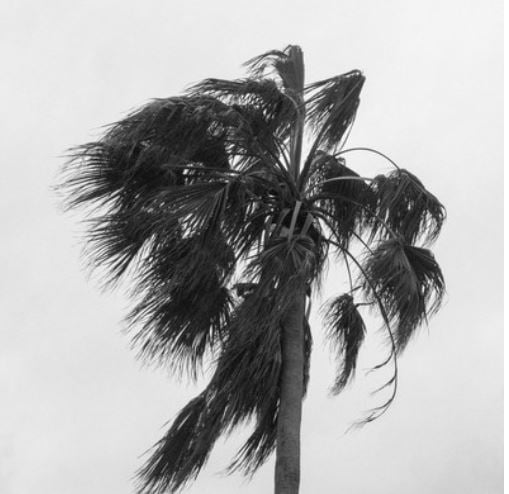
(394, 380)
(371, 150)
(348, 271)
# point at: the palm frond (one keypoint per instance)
(130, 233)
(406, 206)
(181, 453)
(286, 65)
(331, 108)
(252, 354)
(260, 118)
(255, 357)
(164, 190)
(117, 240)
(409, 282)
(296, 258)
(128, 172)
(392, 382)
(263, 94)
(346, 331)
(185, 303)
(262, 441)
(345, 201)
(142, 153)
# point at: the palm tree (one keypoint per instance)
(204, 202)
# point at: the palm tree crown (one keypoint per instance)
(205, 201)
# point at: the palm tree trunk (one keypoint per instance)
(287, 474)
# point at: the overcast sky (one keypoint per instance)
(77, 410)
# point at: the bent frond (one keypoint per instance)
(345, 201)
(286, 65)
(331, 108)
(409, 282)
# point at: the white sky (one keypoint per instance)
(77, 410)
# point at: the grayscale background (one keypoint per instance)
(78, 410)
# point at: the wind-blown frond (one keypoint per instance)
(128, 169)
(346, 331)
(411, 211)
(148, 150)
(288, 69)
(185, 303)
(409, 282)
(262, 441)
(331, 107)
(261, 116)
(287, 66)
(128, 234)
(181, 453)
(344, 200)
(263, 94)
(251, 355)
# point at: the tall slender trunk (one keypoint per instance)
(287, 474)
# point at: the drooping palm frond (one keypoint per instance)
(411, 211)
(346, 331)
(262, 441)
(181, 453)
(118, 237)
(185, 303)
(392, 382)
(341, 194)
(409, 282)
(251, 355)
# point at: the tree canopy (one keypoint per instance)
(203, 202)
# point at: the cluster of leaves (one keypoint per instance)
(202, 200)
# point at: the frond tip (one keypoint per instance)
(180, 454)
(287, 66)
(346, 331)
